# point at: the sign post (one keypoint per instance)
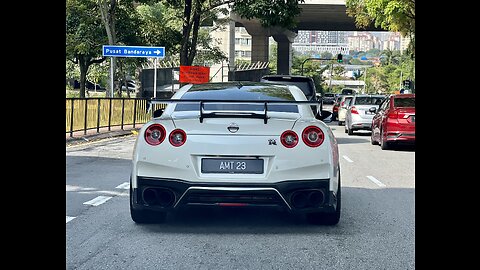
(134, 51)
(155, 80)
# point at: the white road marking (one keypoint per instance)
(107, 192)
(69, 218)
(125, 185)
(373, 179)
(98, 200)
(347, 159)
(77, 188)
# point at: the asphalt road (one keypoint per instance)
(376, 229)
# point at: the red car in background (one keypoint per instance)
(394, 121)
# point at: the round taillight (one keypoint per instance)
(177, 137)
(313, 136)
(289, 138)
(155, 134)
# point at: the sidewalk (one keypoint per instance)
(79, 137)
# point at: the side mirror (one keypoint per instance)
(325, 116)
(158, 113)
(372, 110)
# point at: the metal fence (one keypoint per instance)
(84, 114)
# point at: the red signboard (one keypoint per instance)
(194, 74)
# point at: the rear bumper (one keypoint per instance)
(358, 125)
(295, 196)
(401, 137)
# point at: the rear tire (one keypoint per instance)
(383, 143)
(328, 218)
(372, 140)
(145, 216)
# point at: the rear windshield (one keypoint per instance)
(348, 92)
(404, 102)
(246, 92)
(369, 100)
(303, 85)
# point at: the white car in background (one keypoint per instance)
(360, 113)
(236, 144)
(342, 109)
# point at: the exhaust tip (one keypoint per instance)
(150, 196)
(165, 197)
(316, 198)
(158, 196)
(299, 199)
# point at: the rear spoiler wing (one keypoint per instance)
(229, 114)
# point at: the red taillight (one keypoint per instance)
(289, 138)
(353, 110)
(341, 104)
(155, 134)
(335, 108)
(313, 136)
(177, 137)
(393, 115)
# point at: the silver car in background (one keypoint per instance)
(359, 113)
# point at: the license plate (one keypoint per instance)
(220, 165)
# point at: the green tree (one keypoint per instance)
(197, 12)
(121, 24)
(327, 55)
(84, 37)
(272, 58)
(391, 15)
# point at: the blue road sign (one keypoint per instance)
(133, 51)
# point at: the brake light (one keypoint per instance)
(289, 138)
(155, 134)
(393, 115)
(354, 110)
(177, 137)
(341, 104)
(313, 136)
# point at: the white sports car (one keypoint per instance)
(236, 144)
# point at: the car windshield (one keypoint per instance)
(329, 95)
(369, 100)
(300, 83)
(232, 92)
(404, 102)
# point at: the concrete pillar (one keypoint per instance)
(231, 45)
(284, 51)
(259, 48)
(284, 57)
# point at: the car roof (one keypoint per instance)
(404, 95)
(367, 95)
(287, 77)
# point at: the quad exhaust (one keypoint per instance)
(307, 198)
(158, 196)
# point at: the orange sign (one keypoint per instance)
(194, 74)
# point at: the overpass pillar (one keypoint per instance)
(260, 36)
(259, 48)
(284, 51)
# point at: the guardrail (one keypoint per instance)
(95, 113)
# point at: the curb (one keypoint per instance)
(70, 141)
